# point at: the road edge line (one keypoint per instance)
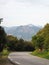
(13, 62)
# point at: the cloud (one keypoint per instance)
(22, 12)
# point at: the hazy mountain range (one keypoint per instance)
(26, 32)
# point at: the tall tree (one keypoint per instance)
(2, 38)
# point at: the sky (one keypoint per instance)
(24, 12)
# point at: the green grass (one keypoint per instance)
(4, 53)
(43, 54)
(4, 58)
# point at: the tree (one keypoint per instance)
(20, 45)
(3, 38)
(46, 45)
(12, 41)
(34, 40)
(41, 39)
(38, 42)
(28, 46)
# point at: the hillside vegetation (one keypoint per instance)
(41, 42)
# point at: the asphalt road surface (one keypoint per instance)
(25, 58)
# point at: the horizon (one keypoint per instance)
(25, 25)
(24, 12)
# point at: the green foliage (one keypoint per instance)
(46, 45)
(41, 39)
(3, 38)
(18, 45)
(11, 45)
(5, 52)
(43, 54)
(11, 38)
(34, 40)
(38, 42)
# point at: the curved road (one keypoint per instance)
(24, 58)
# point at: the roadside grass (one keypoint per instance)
(5, 52)
(4, 58)
(43, 54)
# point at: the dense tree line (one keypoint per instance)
(41, 39)
(12, 43)
(18, 45)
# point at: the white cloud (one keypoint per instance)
(15, 12)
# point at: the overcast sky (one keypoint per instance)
(23, 12)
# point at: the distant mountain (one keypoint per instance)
(26, 32)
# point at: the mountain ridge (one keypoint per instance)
(24, 31)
